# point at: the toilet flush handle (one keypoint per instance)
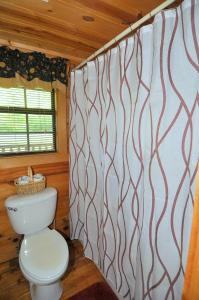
(12, 209)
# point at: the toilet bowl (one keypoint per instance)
(43, 259)
(43, 255)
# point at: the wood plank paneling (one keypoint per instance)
(8, 175)
(73, 28)
(9, 246)
(28, 21)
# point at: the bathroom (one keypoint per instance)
(123, 165)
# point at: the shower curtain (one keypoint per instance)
(134, 149)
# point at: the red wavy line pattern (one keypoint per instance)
(134, 121)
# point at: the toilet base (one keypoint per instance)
(46, 292)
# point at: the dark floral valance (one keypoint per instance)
(31, 65)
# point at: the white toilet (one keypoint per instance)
(43, 256)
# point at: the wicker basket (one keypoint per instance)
(32, 186)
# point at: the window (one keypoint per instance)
(27, 121)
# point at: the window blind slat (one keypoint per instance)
(38, 99)
(12, 97)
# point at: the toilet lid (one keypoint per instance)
(45, 254)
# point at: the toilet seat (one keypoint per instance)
(44, 256)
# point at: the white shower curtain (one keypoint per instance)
(134, 149)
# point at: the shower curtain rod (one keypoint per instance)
(126, 32)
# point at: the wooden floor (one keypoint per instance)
(81, 274)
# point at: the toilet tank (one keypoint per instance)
(31, 213)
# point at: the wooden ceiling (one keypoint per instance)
(70, 28)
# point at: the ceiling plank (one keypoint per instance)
(64, 12)
(34, 44)
(51, 23)
(28, 48)
(43, 34)
(116, 15)
(62, 26)
(6, 14)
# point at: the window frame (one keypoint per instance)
(26, 111)
(62, 109)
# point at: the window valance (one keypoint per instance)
(32, 65)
